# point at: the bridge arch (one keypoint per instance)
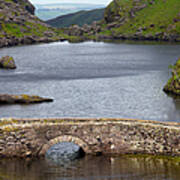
(66, 138)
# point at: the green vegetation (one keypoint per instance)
(80, 18)
(4, 122)
(27, 29)
(7, 62)
(18, 25)
(173, 84)
(145, 17)
(128, 19)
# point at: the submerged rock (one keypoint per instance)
(22, 99)
(173, 84)
(7, 62)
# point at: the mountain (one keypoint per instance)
(137, 20)
(19, 25)
(80, 18)
(51, 11)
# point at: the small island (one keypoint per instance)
(7, 62)
(22, 99)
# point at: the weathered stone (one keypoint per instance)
(2, 141)
(10, 139)
(7, 62)
(119, 136)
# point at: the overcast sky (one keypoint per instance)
(71, 1)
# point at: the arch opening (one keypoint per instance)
(65, 148)
(64, 152)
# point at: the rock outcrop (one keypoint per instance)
(76, 33)
(7, 62)
(22, 99)
(19, 25)
(173, 85)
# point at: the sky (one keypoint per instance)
(70, 1)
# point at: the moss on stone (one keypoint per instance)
(173, 84)
(22, 99)
(7, 62)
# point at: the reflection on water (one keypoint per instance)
(177, 104)
(92, 168)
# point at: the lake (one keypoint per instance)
(92, 168)
(92, 80)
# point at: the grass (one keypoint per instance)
(155, 18)
(16, 23)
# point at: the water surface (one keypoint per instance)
(92, 168)
(92, 80)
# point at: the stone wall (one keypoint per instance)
(33, 137)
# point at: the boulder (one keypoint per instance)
(22, 99)
(86, 28)
(75, 30)
(7, 62)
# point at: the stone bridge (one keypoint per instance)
(33, 137)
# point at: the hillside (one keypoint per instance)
(151, 19)
(19, 25)
(139, 20)
(80, 18)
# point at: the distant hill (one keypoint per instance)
(80, 18)
(50, 11)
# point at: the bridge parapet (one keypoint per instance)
(33, 137)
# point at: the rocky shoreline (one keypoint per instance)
(94, 32)
(10, 42)
(27, 40)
